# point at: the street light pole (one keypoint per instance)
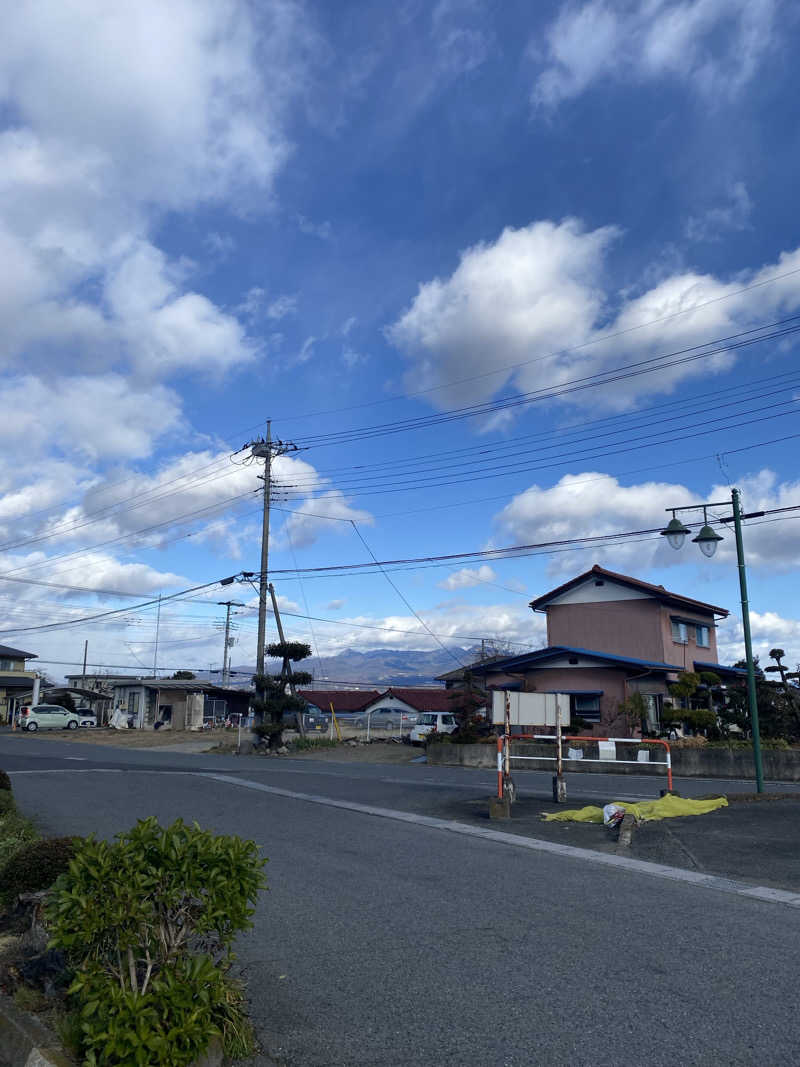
(675, 533)
(748, 644)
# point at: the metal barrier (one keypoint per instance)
(504, 755)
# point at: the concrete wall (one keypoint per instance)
(779, 766)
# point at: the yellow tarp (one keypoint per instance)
(668, 807)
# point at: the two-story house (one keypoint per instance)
(16, 681)
(608, 636)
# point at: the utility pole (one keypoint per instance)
(158, 627)
(225, 660)
(266, 450)
(85, 654)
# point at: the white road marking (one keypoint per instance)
(657, 870)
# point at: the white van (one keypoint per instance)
(444, 722)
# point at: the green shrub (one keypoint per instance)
(15, 831)
(35, 865)
(6, 801)
(148, 922)
(5, 781)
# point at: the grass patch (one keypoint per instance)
(303, 744)
(15, 831)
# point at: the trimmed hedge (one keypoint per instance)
(36, 865)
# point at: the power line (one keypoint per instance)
(556, 352)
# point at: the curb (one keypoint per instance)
(27, 1042)
(626, 832)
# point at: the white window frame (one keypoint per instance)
(680, 633)
(700, 630)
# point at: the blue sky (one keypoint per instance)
(344, 216)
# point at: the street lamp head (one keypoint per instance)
(675, 532)
(707, 539)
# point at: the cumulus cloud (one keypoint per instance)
(96, 417)
(591, 504)
(113, 117)
(533, 309)
(458, 625)
(715, 46)
(767, 629)
(468, 577)
(330, 512)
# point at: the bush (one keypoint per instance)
(6, 802)
(34, 866)
(15, 831)
(148, 922)
(5, 781)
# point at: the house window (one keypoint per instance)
(679, 632)
(587, 706)
(703, 636)
(7, 665)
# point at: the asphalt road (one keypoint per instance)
(387, 940)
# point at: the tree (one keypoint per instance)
(65, 700)
(183, 676)
(464, 703)
(272, 701)
(695, 695)
(778, 702)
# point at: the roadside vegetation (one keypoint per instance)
(127, 945)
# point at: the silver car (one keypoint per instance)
(48, 717)
(390, 718)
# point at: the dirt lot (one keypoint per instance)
(139, 738)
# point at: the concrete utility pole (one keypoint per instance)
(225, 658)
(266, 450)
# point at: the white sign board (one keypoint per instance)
(530, 709)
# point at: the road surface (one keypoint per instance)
(387, 939)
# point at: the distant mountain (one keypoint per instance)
(375, 667)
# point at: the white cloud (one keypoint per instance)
(114, 116)
(768, 630)
(329, 512)
(306, 350)
(534, 310)
(457, 624)
(716, 46)
(100, 417)
(335, 605)
(733, 213)
(591, 504)
(468, 577)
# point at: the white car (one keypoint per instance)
(443, 722)
(48, 717)
(87, 716)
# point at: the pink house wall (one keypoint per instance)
(637, 628)
(610, 680)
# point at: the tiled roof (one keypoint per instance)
(540, 656)
(6, 652)
(421, 699)
(343, 700)
(656, 591)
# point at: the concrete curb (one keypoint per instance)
(626, 832)
(26, 1042)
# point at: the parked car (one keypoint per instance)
(386, 719)
(87, 717)
(48, 717)
(444, 722)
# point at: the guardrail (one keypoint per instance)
(504, 754)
